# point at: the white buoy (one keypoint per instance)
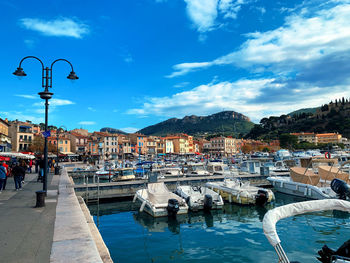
(135, 197)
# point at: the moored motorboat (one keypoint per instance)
(158, 201)
(124, 174)
(200, 197)
(243, 193)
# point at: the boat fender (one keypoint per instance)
(230, 198)
(327, 155)
(305, 191)
(142, 206)
(173, 207)
(208, 202)
(262, 197)
(340, 188)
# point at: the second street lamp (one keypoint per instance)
(45, 95)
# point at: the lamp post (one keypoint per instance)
(58, 158)
(45, 95)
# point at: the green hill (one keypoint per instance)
(332, 117)
(226, 122)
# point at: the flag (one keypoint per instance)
(46, 134)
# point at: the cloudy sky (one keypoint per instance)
(143, 61)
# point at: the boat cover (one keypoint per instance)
(158, 194)
(278, 213)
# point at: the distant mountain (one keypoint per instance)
(331, 117)
(226, 122)
(306, 110)
(112, 130)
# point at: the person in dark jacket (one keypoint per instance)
(41, 165)
(18, 173)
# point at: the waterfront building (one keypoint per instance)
(329, 138)
(21, 134)
(64, 145)
(5, 140)
(140, 142)
(124, 145)
(306, 137)
(92, 146)
(169, 146)
(79, 143)
(223, 146)
(317, 138)
(107, 144)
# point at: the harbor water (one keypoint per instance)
(232, 235)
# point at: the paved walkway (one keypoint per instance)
(26, 233)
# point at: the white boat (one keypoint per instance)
(287, 186)
(196, 169)
(243, 193)
(218, 168)
(105, 174)
(200, 197)
(273, 216)
(304, 182)
(158, 201)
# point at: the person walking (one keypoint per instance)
(41, 165)
(36, 161)
(30, 166)
(7, 175)
(18, 172)
(24, 166)
(2, 176)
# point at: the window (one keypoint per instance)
(66, 142)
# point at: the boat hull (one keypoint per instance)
(287, 186)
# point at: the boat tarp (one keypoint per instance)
(278, 213)
(159, 194)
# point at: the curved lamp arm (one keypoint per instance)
(61, 59)
(42, 64)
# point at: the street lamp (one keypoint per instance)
(45, 95)
(58, 158)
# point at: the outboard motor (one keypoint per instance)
(262, 197)
(340, 188)
(208, 202)
(173, 207)
(327, 254)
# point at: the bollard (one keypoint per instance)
(57, 170)
(40, 198)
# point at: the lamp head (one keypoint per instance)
(72, 76)
(19, 72)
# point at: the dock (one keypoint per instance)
(127, 189)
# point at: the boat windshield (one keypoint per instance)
(218, 168)
(127, 172)
(198, 168)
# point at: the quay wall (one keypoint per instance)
(74, 240)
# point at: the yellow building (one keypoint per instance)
(5, 141)
(306, 137)
(63, 143)
(329, 138)
(21, 134)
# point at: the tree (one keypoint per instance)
(288, 140)
(38, 144)
(247, 148)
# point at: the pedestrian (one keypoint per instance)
(36, 161)
(2, 176)
(18, 172)
(41, 166)
(24, 166)
(49, 165)
(7, 175)
(30, 166)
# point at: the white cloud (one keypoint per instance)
(91, 109)
(55, 102)
(66, 27)
(240, 96)
(128, 59)
(202, 13)
(30, 43)
(27, 96)
(182, 84)
(87, 123)
(130, 129)
(303, 39)
(13, 115)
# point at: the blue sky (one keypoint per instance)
(144, 61)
